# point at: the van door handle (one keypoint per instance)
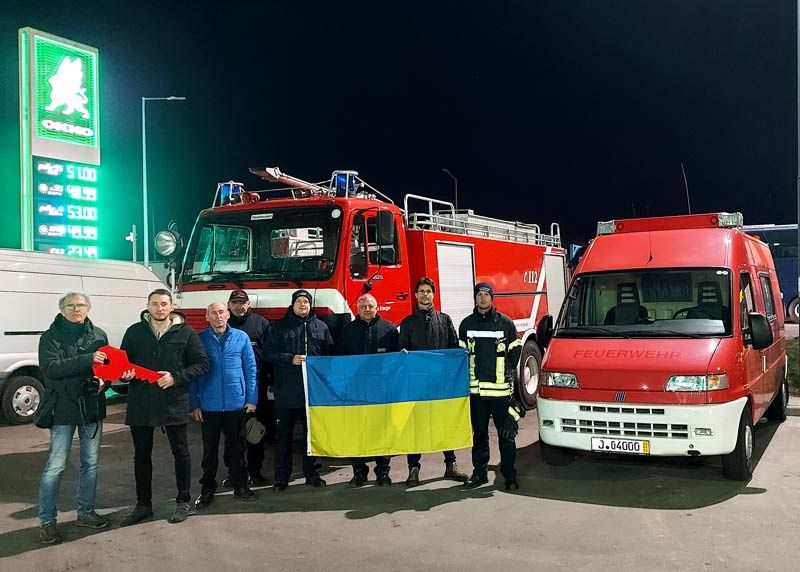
(402, 295)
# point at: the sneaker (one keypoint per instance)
(91, 520)
(413, 477)
(244, 494)
(451, 472)
(258, 481)
(227, 483)
(204, 501)
(316, 482)
(137, 514)
(475, 481)
(279, 486)
(384, 481)
(357, 481)
(48, 533)
(183, 510)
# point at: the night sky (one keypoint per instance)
(545, 111)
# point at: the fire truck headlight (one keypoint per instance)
(556, 379)
(166, 243)
(697, 382)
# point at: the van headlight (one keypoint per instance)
(697, 382)
(555, 379)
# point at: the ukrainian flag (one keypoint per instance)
(387, 404)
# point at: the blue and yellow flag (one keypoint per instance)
(387, 404)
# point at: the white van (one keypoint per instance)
(31, 284)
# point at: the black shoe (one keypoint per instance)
(244, 494)
(475, 481)
(258, 481)
(451, 472)
(92, 520)
(48, 534)
(512, 484)
(137, 514)
(279, 486)
(183, 510)
(227, 483)
(384, 481)
(357, 481)
(316, 482)
(204, 501)
(413, 477)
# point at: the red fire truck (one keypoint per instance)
(342, 238)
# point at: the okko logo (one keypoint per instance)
(67, 92)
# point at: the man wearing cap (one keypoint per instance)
(297, 335)
(218, 400)
(494, 349)
(256, 327)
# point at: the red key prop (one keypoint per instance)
(117, 363)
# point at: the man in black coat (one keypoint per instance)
(428, 329)
(256, 327)
(298, 334)
(161, 341)
(368, 334)
(67, 351)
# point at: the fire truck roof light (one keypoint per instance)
(730, 220)
(680, 222)
(230, 192)
(606, 227)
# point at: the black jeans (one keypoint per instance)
(216, 423)
(143, 461)
(481, 410)
(283, 448)
(413, 460)
(381, 466)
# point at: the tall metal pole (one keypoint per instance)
(146, 226)
(455, 180)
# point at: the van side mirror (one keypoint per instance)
(760, 331)
(385, 228)
(544, 331)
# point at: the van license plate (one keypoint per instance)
(624, 446)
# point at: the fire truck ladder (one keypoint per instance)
(465, 221)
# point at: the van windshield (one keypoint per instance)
(663, 303)
(282, 244)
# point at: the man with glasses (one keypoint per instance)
(428, 329)
(67, 351)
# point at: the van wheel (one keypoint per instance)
(738, 464)
(793, 311)
(21, 399)
(777, 409)
(555, 456)
(530, 369)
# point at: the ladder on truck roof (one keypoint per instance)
(465, 221)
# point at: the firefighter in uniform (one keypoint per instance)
(494, 349)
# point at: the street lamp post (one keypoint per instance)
(455, 180)
(146, 230)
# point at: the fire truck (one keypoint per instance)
(342, 238)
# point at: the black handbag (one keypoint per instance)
(46, 411)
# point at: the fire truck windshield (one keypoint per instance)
(661, 303)
(296, 244)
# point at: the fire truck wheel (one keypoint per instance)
(530, 369)
(777, 410)
(738, 464)
(555, 456)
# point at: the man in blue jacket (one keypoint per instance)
(219, 400)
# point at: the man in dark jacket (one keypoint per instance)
(428, 329)
(67, 351)
(368, 334)
(161, 341)
(494, 349)
(256, 327)
(218, 400)
(297, 335)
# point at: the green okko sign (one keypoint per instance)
(65, 92)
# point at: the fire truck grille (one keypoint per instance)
(624, 428)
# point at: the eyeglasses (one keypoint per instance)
(424, 293)
(75, 306)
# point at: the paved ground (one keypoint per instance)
(597, 514)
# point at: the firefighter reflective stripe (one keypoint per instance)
(462, 343)
(500, 366)
(486, 334)
(514, 344)
(513, 413)
(471, 369)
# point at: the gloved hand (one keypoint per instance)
(510, 426)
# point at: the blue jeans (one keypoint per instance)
(60, 445)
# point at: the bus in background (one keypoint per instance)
(782, 241)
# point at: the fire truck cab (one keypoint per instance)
(342, 238)
(670, 342)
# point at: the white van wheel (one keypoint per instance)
(21, 399)
(738, 464)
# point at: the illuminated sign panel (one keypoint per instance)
(65, 216)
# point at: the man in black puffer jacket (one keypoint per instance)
(368, 334)
(161, 341)
(428, 329)
(67, 351)
(289, 341)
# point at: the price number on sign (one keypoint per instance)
(75, 212)
(82, 173)
(83, 251)
(79, 232)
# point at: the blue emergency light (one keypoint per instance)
(344, 183)
(230, 192)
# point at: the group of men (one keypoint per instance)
(220, 378)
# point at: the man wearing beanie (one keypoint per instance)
(297, 335)
(494, 350)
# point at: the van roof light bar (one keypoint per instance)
(708, 220)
